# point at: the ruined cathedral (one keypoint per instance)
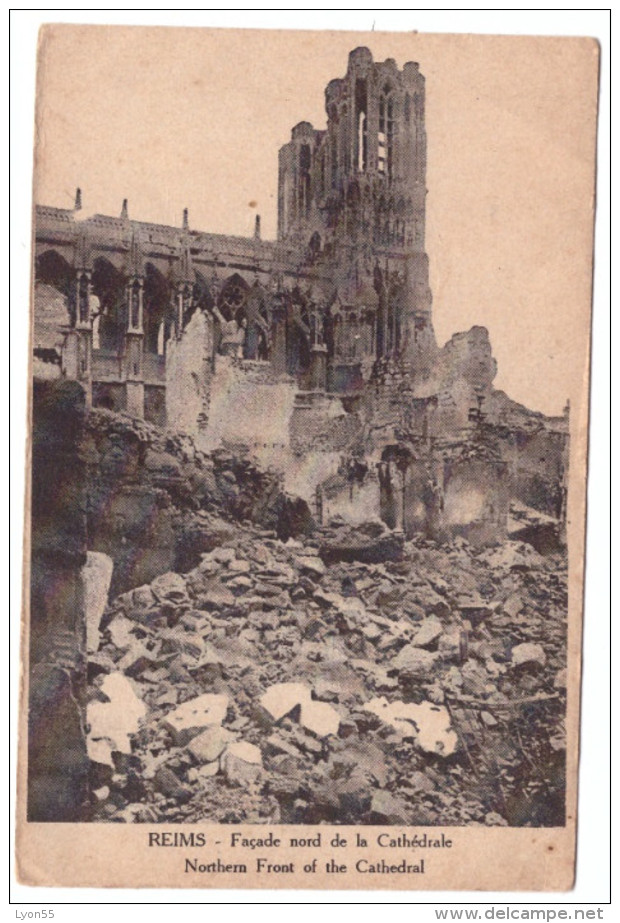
(314, 353)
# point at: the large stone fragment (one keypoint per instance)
(319, 717)
(96, 576)
(368, 543)
(428, 724)
(284, 698)
(528, 653)
(168, 783)
(122, 632)
(311, 564)
(241, 763)
(57, 755)
(281, 699)
(386, 809)
(215, 595)
(210, 744)
(428, 631)
(417, 662)
(115, 720)
(193, 716)
(170, 586)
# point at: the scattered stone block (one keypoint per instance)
(283, 698)
(117, 719)
(96, 576)
(319, 717)
(193, 716)
(418, 662)
(528, 654)
(215, 595)
(241, 763)
(311, 565)
(168, 783)
(170, 586)
(428, 724)
(428, 631)
(386, 809)
(121, 631)
(210, 744)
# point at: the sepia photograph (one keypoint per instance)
(310, 356)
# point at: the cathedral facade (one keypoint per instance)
(341, 295)
(315, 352)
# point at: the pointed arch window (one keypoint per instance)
(334, 161)
(362, 143)
(385, 138)
(305, 163)
(361, 125)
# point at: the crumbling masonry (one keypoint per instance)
(326, 334)
(194, 390)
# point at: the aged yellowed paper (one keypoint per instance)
(311, 319)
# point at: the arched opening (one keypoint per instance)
(361, 125)
(298, 337)
(110, 321)
(54, 304)
(52, 269)
(258, 325)
(385, 137)
(305, 163)
(230, 312)
(158, 315)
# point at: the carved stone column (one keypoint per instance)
(134, 348)
(77, 349)
(278, 345)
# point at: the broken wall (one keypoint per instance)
(353, 501)
(188, 375)
(57, 760)
(241, 393)
(538, 462)
(476, 493)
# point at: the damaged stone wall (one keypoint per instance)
(51, 315)
(242, 393)
(189, 362)
(155, 501)
(57, 760)
(475, 499)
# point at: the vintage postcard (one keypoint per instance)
(310, 364)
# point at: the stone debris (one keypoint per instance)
(189, 719)
(272, 683)
(114, 720)
(428, 724)
(96, 578)
(210, 744)
(283, 698)
(415, 661)
(241, 762)
(319, 718)
(290, 698)
(528, 653)
(429, 631)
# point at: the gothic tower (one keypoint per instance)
(353, 196)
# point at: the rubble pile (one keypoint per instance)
(152, 489)
(281, 682)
